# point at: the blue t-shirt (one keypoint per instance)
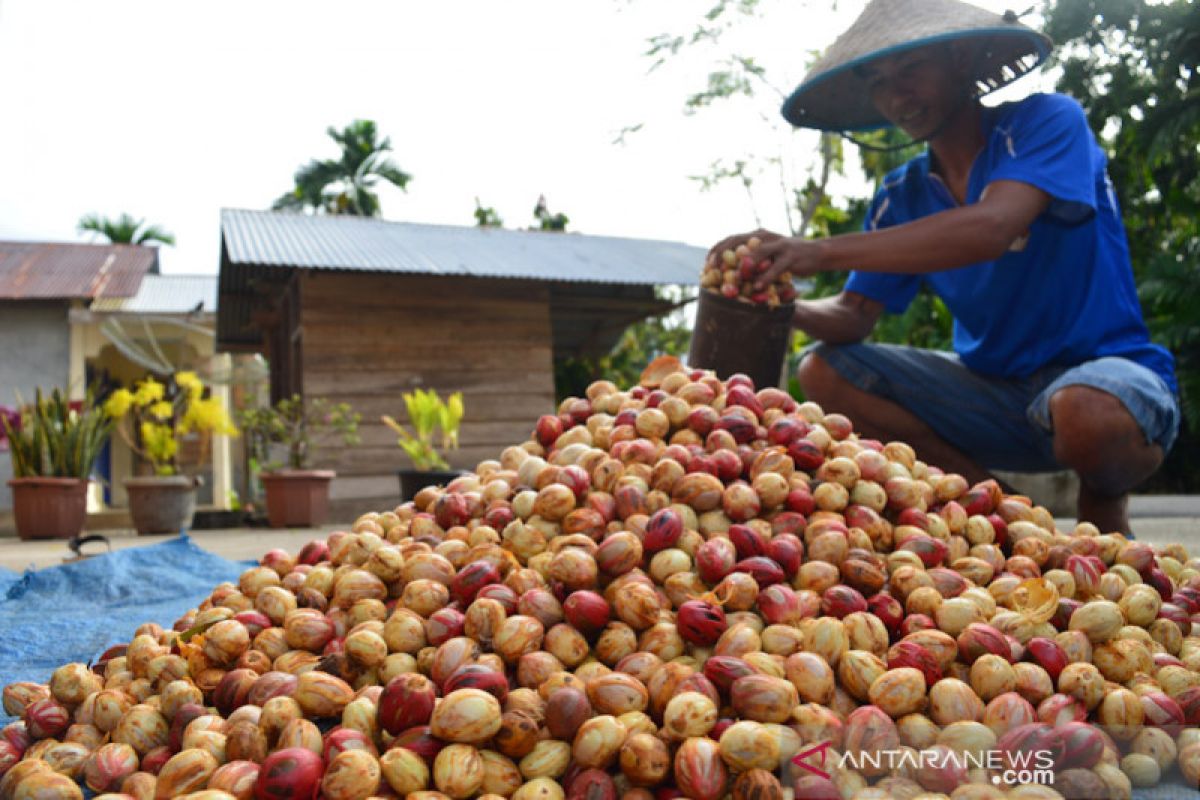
(1062, 295)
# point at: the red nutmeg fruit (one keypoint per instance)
(293, 773)
(700, 622)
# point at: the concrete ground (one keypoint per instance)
(1159, 520)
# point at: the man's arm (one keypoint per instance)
(981, 231)
(841, 319)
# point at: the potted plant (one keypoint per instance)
(296, 494)
(428, 414)
(53, 444)
(153, 419)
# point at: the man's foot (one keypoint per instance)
(1107, 512)
(1095, 435)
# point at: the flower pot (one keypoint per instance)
(49, 508)
(414, 480)
(162, 504)
(297, 497)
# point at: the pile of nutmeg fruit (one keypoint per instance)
(673, 590)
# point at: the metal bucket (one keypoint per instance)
(731, 336)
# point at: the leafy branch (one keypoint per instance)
(301, 426)
(428, 414)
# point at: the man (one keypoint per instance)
(1010, 219)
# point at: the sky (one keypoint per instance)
(173, 110)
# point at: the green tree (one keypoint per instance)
(547, 221)
(486, 216)
(124, 229)
(1133, 66)
(346, 185)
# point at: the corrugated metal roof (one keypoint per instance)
(353, 243)
(166, 294)
(53, 270)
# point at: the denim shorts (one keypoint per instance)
(1001, 423)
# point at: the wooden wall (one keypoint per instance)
(369, 337)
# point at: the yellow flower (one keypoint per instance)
(118, 403)
(162, 410)
(189, 383)
(159, 443)
(148, 391)
(207, 416)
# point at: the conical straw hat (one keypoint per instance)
(833, 98)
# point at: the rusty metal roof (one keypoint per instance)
(53, 270)
(270, 239)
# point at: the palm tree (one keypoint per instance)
(346, 185)
(124, 230)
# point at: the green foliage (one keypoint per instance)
(346, 185)
(546, 220)
(1132, 64)
(428, 414)
(56, 438)
(881, 151)
(720, 17)
(486, 216)
(300, 426)
(124, 229)
(641, 343)
(739, 76)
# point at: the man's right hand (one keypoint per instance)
(737, 240)
(792, 254)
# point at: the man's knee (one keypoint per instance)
(1095, 435)
(1087, 420)
(818, 379)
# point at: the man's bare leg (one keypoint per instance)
(878, 418)
(1095, 435)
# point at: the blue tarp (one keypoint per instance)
(7, 579)
(73, 612)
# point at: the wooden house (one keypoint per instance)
(362, 310)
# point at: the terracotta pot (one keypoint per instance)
(162, 504)
(414, 480)
(49, 508)
(297, 497)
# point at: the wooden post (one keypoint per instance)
(222, 450)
